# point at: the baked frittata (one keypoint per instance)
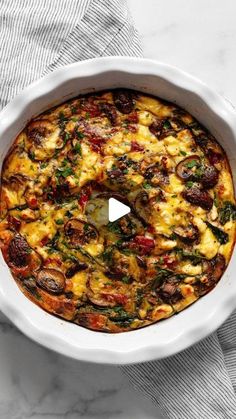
(57, 179)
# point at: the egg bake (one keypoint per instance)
(170, 250)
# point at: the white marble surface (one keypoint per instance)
(200, 37)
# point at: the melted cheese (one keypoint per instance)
(208, 246)
(79, 281)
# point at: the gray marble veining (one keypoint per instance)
(35, 383)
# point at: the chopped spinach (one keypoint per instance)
(122, 317)
(227, 212)
(219, 234)
(194, 256)
(114, 227)
(59, 221)
(162, 274)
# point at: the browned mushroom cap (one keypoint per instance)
(156, 127)
(17, 180)
(98, 300)
(109, 111)
(51, 280)
(76, 267)
(215, 267)
(213, 270)
(209, 177)
(197, 196)
(156, 175)
(19, 251)
(169, 291)
(43, 138)
(124, 100)
(185, 169)
(187, 234)
(38, 130)
(80, 232)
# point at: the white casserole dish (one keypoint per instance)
(171, 335)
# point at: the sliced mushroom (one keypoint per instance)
(209, 177)
(100, 301)
(156, 127)
(124, 100)
(79, 232)
(218, 266)
(197, 196)
(187, 234)
(186, 168)
(213, 270)
(130, 226)
(17, 180)
(76, 267)
(43, 138)
(19, 251)
(215, 267)
(157, 175)
(110, 112)
(214, 156)
(169, 291)
(51, 280)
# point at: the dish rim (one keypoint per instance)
(215, 315)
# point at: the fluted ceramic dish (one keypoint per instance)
(189, 326)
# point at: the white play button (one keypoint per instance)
(117, 209)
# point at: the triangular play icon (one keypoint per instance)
(117, 209)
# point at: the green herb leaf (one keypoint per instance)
(43, 165)
(78, 149)
(59, 221)
(161, 276)
(167, 124)
(183, 153)
(189, 184)
(147, 185)
(219, 234)
(191, 164)
(114, 227)
(64, 171)
(227, 212)
(126, 279)
(79, 135)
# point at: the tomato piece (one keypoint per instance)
(44, 240)
(33, 203)
(96, 143)
(84, 197)
(118, 298)
(53, 260)
(14, 222)
(143, 244)
(133, 117)
(169, 261)
(136, 147)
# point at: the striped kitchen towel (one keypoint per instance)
(40, 36)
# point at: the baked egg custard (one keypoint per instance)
(151, 155)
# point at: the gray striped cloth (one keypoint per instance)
(37, 37)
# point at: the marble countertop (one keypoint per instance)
(200, 37)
